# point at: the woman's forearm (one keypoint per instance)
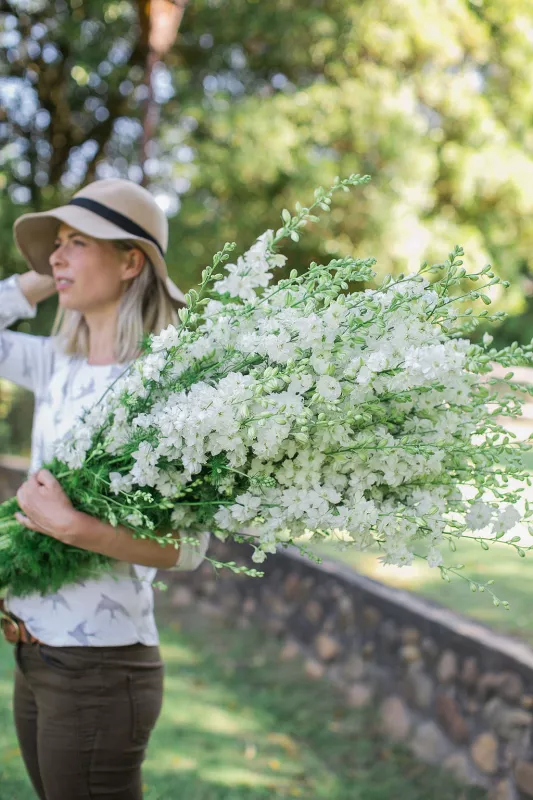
(90, 533)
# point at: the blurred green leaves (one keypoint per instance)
(261, 103)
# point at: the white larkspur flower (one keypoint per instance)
(328, 387)
(246, 507)
(170, 483)
(136, 519)
(169, 337)
(117, 436)
(434, 557)
(224, 518)
(478, 516)
(377, 361)
(119, 483)
(507, 518)
(400, 557)
(152, 366)
(145, 454)
(320, 364)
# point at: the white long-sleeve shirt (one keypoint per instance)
(117, 608)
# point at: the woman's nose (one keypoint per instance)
(56, 257)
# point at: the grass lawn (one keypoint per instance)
(513, 581)
(238, 724)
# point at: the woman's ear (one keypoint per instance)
(133, 263)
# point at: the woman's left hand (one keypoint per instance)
(46, 507)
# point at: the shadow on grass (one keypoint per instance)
(239, 724)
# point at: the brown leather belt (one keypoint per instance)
(14, 629)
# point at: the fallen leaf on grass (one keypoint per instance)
(288, 744)
(183, 762)
(9, 755)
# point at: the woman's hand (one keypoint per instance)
(48, 510)
(46, 507)
(36, 287)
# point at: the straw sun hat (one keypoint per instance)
(106, 209)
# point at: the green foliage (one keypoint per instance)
(16, 408)
(260, 103)
(36, 553)
(74, 70)
(429, 98)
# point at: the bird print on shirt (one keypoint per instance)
(34, 628)
(5, 349)
(85, 391)
(79, 633)
(56, 599)
(26, 366)
(45, 399)
(113, 606)
(115, 371)
(147, 611)
(66, 383)
(137, 584)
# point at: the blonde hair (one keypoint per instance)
(145, 307)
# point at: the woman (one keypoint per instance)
(88, 680)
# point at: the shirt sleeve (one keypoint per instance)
(24, 359)
(190, 555)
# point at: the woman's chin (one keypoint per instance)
(68, 303)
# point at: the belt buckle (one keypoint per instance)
(6, 620)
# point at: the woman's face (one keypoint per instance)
(90, 274)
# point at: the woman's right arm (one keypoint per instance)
(23, 357)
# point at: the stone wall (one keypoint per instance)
(457, 693)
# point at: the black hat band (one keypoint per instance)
(115, 217)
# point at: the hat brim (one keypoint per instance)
(35, 236)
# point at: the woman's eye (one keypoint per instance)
(79, 241)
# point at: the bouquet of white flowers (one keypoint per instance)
(283, 412)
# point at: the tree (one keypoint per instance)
(73, 76)
(433, 99)
(260, 103)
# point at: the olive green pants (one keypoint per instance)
(83, 717)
